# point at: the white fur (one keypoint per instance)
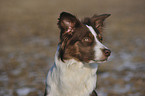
(71, 78)
(74, 78)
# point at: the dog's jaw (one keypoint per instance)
(71, 78)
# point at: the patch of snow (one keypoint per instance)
(121, 90)
(24, 91)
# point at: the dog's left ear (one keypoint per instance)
(98, 21)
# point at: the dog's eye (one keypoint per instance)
(87, 39)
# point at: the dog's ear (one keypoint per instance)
(67, 22)
(98, 21)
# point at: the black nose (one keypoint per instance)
(107, 52)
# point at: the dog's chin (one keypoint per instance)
(100, 61)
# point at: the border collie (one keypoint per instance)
(79, 52)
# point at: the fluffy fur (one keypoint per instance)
(77, 57)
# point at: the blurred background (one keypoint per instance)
(29, 37)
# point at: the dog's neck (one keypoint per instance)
(71, 78)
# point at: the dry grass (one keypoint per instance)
(29, 37)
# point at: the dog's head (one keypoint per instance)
(82, 41)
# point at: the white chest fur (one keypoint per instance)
(71, 78)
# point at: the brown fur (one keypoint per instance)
(76, 40)
(74, 33)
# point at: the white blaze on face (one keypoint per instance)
(98, 47)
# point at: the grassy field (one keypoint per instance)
(29, 37)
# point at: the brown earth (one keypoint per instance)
(29, 37)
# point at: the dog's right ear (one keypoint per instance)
(67, 22)
(98, 21)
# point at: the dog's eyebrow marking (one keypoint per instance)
(92, 31)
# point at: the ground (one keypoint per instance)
(29, 37)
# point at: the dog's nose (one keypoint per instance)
(107, 52)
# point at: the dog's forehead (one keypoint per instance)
(91, 30)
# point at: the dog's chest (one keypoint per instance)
(75, 80)
(77, 77)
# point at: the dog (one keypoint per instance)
(79, 52)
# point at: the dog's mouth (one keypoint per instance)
(100, 61)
